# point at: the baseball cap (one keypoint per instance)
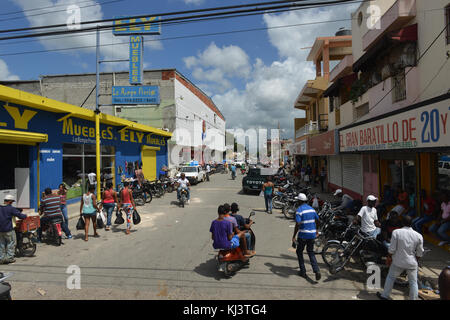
(9, 197)
(302, 197)
(337, 192)
(372, 198)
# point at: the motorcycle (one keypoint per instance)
(229, 261)
(336, 254)
(183, 197)
(25, 233)
(5, 287)
(51, 231)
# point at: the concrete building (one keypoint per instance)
(197, 124)
(389, 100)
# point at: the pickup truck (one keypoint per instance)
(255, 179)
(194, 174)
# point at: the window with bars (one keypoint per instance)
(447, 23)
(399, 87)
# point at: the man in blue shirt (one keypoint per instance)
(7, 242)
(307, 221)
(233, 171)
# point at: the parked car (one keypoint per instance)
(194, 174)
(255, 179)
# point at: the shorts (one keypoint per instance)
(235, 242)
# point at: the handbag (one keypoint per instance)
(119, 219)
(136, 217)
(80, 223)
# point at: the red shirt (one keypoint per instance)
(429, 206)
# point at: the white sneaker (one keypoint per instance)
(442, 243)
(188, 201)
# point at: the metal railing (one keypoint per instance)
(309, 128)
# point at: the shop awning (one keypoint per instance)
(22, 137)
(42, 103)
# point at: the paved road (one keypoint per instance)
(169, 256)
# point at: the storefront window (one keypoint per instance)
(402, 174)
(79, 160)
(443, 171)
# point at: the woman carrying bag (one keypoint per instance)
(109, 200)
(127, 203)
(88, 209)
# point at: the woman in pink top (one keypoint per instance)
(126, 201)
(442, 225)
(109, 200)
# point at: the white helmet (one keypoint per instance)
(302, 197)
(372, 198)
(337, 192)
(9, 197)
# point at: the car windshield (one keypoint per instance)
(188, 169)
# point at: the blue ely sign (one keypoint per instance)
(142, 26)
(135, 95)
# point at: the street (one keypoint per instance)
(169, 255)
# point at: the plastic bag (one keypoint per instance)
(80, 224)
(119, 219)
(136, 217)
(102, 215)
(100, 223)
(315, 203)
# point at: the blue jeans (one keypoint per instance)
(109, 207)
(441, 231)
(188, 192)
(248, 239)
(374, 233)
(418, 223)
(394, 272)
(7, 245)
(65, 224)
(309, 243)
(268, 200)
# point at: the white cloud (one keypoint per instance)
(269, 94)
(5, 74)
(111, 46)
(195, 2)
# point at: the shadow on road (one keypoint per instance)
(209, 269)
(285, 272)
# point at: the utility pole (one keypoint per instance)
(97, 114)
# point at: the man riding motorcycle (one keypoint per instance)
(243, 226)
(183, 184)
(50, 210)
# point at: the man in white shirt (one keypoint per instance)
(368, 218)
(208, 170)
(405, 250)
(183, 183)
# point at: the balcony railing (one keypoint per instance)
(309, 128)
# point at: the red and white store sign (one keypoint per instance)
(424, 127)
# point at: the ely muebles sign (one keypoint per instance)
(422, 127)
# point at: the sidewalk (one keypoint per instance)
(433, 261)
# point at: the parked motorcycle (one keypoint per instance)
(5, 287)
(25, 233)
(229, 261)
(51, 231)
(364, 248)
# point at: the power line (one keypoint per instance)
(177, 38)
(163, 21)
(55, 11)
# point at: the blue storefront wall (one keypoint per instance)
(127, 143)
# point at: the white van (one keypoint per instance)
(194, 174)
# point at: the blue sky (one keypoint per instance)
(253, 77)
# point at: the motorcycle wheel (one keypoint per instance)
(161, 191)
(287, 211)
(148, 197)
(27, 248)
(182, 200)
(57, 238)
(276, 203)
(169, 189)
(333, 255)
(139, 199)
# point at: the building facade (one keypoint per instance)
(47, 142)
(197, 124)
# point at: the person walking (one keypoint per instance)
(126, 202)
(62, 192)
(208, 171)
(307, 221)
(404, 252)
(109, 201)
(88, 209)
(442, 225)
(268, 189)
(7, 242)
(323, 176)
